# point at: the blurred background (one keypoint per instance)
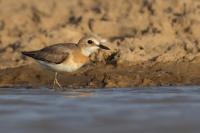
(162, 36)
(153, 42)
(140, 30)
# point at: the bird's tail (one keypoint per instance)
(30, 53)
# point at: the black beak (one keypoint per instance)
(103, 47)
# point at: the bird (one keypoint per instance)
(67, 57)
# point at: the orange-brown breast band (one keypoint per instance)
(78, 57)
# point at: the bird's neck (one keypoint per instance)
(87, 51)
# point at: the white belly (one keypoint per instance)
(63, 67)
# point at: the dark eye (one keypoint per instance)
(90, 42)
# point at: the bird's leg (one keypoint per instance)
(56, 81)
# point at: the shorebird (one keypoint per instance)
(67, 57)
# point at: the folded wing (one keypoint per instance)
(53, 54)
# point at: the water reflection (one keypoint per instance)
(165, 109)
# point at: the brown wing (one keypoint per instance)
(53, 54)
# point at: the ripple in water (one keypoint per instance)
(163, 109)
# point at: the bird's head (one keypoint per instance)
(91, 44)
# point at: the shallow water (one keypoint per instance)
(150, 110)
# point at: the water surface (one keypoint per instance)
(150, 110)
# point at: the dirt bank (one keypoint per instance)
(99, 75)
(155, 33)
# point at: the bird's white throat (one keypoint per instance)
(89, 50)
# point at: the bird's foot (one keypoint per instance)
(55, 82)
(59, 85)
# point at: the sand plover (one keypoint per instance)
(67, 57)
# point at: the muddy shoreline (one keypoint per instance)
(152, 42)
(102, 75)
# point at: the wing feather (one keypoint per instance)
(53, 54)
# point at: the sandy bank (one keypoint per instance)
(100, 76)
(161, 35)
